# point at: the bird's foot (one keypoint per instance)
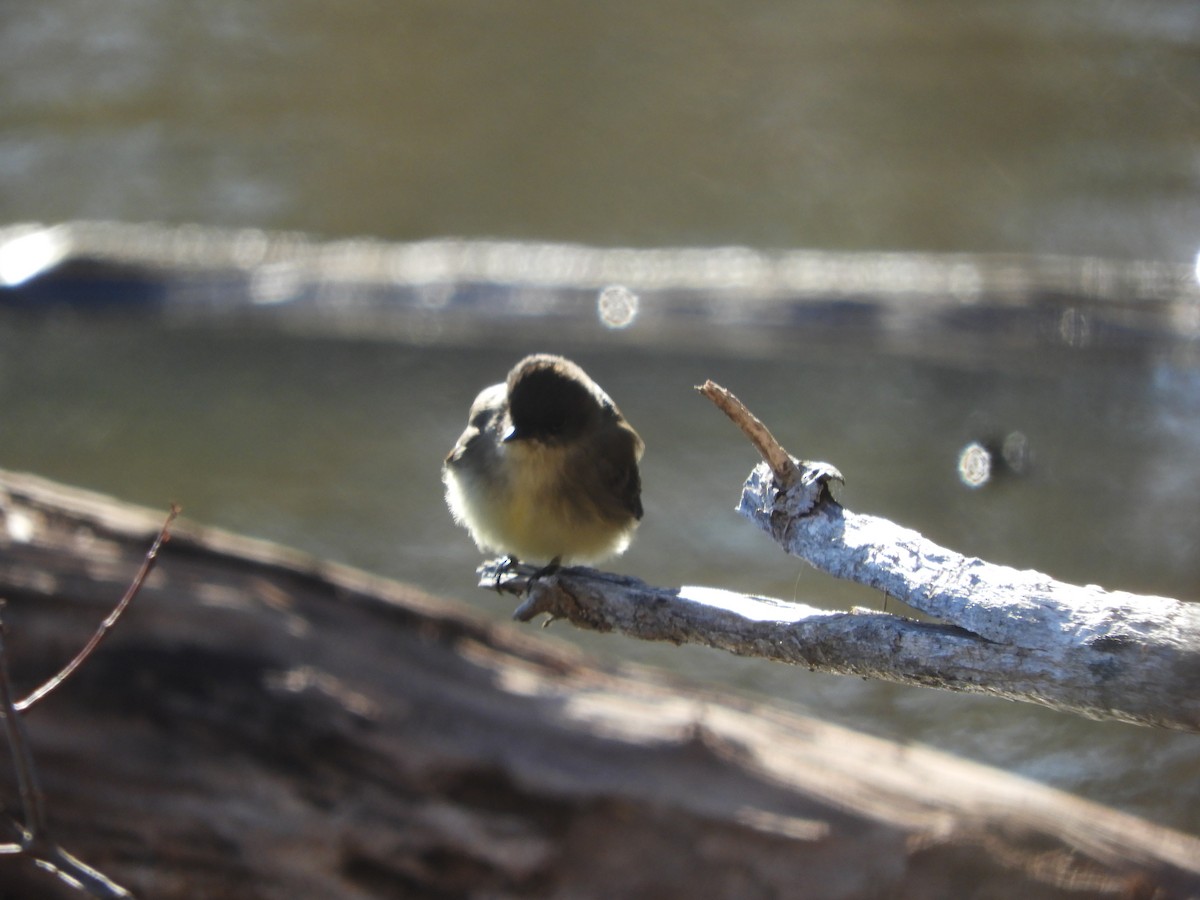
(502, 572)
(508, 575)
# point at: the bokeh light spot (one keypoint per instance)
(617, 306)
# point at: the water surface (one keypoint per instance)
(333, 445)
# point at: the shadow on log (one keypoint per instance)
(262, 725)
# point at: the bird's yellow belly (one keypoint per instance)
(533, 515)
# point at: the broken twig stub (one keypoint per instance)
(782, 465)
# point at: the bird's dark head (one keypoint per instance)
(551, 399)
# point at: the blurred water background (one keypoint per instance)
(308, 395)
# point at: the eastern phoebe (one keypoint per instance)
(547, 468)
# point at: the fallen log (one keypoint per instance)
(264, 725)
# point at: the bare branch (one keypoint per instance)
(1015, 634)
(78, 874)
(164, 534)
(33, 837)
(1106, 654)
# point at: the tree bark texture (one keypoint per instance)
(264, 725)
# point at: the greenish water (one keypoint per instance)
(334, 446)
(1024, 126)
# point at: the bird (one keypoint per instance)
(547, 468)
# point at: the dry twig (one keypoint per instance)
(782, 465)
(33, 837)
(135, 586)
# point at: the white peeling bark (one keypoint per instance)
(1001, 631)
